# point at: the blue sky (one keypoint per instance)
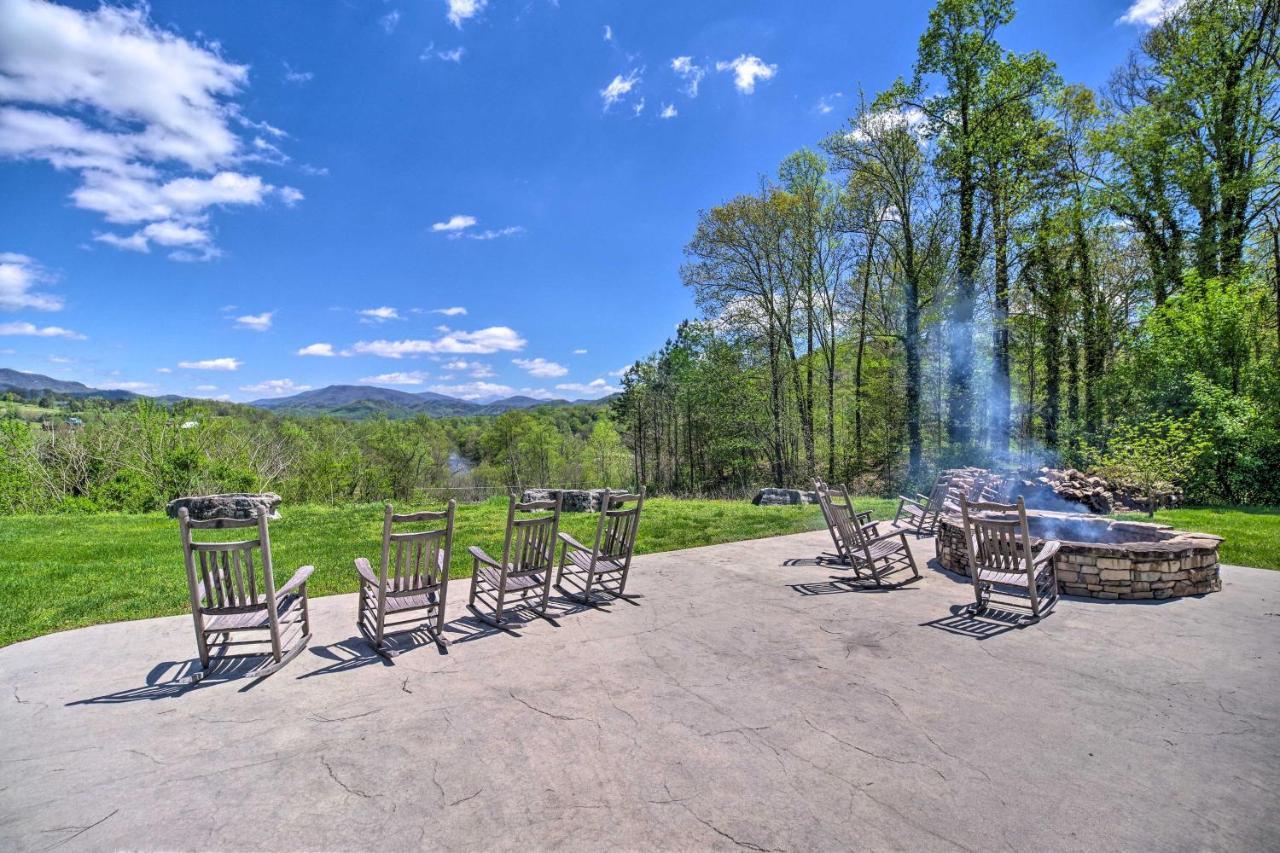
(244, 199)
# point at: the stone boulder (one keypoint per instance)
(783, 497)
(572, 500)
(238, 506)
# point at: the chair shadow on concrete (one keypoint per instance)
(992, 623)
(839, 584)
(346, 655)
(172, 679)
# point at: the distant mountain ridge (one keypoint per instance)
(354, 402)
(359, 401)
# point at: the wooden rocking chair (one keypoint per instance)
(837, 501)
(230, 597)
(411, 586)
(860, 548)
(605, 564)
(1001, 559)
(920, 514)
(528, 559)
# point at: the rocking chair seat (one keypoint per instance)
(493, 576)
(215, 622)
(881, 547)
(582, 560)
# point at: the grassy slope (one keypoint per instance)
(1252, 534)
(62, 572)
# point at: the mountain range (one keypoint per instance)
(354, 402)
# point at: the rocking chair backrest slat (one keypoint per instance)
(421, 557)
(222, 575)
(617, 526)
(997, 544)
(529, 545)
(839, 515)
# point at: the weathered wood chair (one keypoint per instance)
(1002, 560)
(411, 585)
(837, 502)
(603, 567)
(528, 560)
(920, 514)
(860, 548)
(231, 597)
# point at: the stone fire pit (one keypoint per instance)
(1102, 558)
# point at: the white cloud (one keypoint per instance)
(689, 72)
(18, 275)
(255, 322)
(747, 69)
(324, 350)
(464, 10)
(455, 311)
(1148, 13)
(474, 390)
(293, 75)
(414, 377)
(638, 108)
(275, 387)
(454, 55)
(390, 21)
(481, 342)
(457, 222)
(129, 106)
(885, 120)
(493, 233)
(380, 315)
(579, 352)
(618, 88)
(540, 367)
(130, 386)
(206, 388)
(476, 369)
(32, 330)
(608, 33)
(594, 388)
(212, 364)
(164, 370)
(668, 111)
(621, 371)
(826, 104)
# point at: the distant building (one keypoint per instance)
(75, 422)
(189, 425)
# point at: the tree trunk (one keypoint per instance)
(1000, 393)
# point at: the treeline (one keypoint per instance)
(135, 457)
(988, 264)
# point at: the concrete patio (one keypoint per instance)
(746, 700)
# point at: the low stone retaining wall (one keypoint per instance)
(1159, 563)
(572, 500)
(239, 506)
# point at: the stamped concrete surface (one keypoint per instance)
(747, 700)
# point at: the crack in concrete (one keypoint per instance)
(80, 830)
(876, 755)
(343, 785)
(546, 713)
(320, 718)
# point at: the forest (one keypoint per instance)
(991, 265)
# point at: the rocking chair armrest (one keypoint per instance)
(921, 504)
(1046, 553)
(299, 579)
(864, 518)
(571, 542)
(893, 534)
(481, 557)
(365, 571)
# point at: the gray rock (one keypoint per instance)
(237, 505)
(783, 497)
(572, 500)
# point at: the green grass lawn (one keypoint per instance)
(1251, 534)
(62, 572)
